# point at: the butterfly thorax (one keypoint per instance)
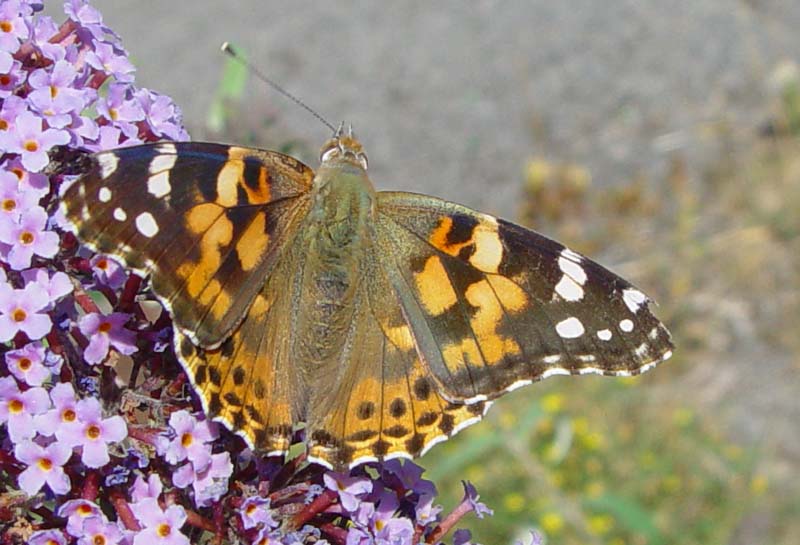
(338, 232)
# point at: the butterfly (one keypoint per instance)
(384, 321)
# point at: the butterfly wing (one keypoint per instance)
(493, 306)
(206, 221)
(384, 404)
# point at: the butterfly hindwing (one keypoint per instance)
(494, 306)
(206, 221)
(385, 404)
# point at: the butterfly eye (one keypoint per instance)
(328, 154)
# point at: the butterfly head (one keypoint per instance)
(344, 146)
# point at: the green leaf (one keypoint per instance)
(628, 514)
(230, 89)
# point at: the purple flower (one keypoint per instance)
(44, 467)
(462, 537)
(47, 537)
(208, 484)
(28, 364)
(97, 530)
(190, 442)
(151, 488)
(162, 115)
(11, 108)
(107, 271)
(11, 76)
(56, 286)
(159, 526)
(348, 488)
(21, 310)
(425, 510)
(109, 59)
(18, 408)
(471, 496)
(28, 237)
(54, 95)
(94, 432)
(254, 511)
(13, 199)
(12, 27)
(29, 182)
(104, 332)
(409, 476)
(63, 416)
(76, 512)
(31, 141)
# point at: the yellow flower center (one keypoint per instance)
(9, 205)
(105, 327)
(69, 416)
(163, 530)
(99, 539)
(93, 431)
(24, 364)
(6, 26)
(15, 406)
(31, 145)
(26, 237)
(45, 464)
(186, 439)
(19, 315)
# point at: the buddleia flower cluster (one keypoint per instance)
(101, 439)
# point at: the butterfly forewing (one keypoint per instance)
(206, 221)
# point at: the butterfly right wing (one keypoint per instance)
(206, 221)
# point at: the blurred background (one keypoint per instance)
(662, 138)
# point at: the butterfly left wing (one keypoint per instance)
(493, 306)
(206, 221)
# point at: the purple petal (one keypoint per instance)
(37, 326)
(97, 349)
(31, 480)
(58, 481)
(28, 452)
(95, 454)
(114, 429)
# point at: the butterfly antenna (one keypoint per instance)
(228, 48)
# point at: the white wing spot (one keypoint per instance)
(167, 147)
(518, 384)
(555, 371)
(108, 164)
(552, 359)
(568, 289)
(634, 299)
(571, 328)
(604, 334)
(119, 214)
(104, 194)
(571, 268)
(626, 325)
(588, 358)
(146, 224)
(572, 256)
(642, 349)
(653, 333)
(158, 184)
